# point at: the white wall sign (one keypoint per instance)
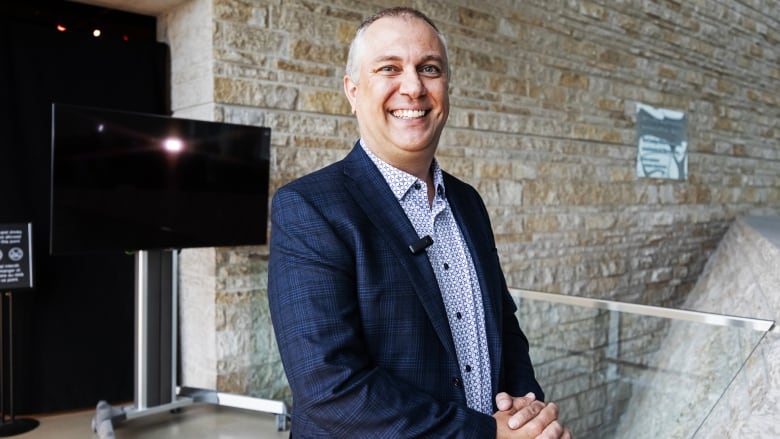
(662, 137)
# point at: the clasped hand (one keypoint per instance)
(525, 417)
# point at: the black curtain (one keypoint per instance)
(73, 333)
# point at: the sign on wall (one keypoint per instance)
(15, 256)
(662, 149)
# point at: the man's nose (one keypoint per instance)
(412, 85)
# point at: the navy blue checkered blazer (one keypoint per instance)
(360, 321)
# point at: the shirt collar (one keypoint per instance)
(401, 182)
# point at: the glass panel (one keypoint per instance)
(632, 371)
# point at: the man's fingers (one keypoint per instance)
(545, 414)
(505, 401)
(524, 401)
(526, 414)
(555, 431)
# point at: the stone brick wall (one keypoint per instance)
(543, 124)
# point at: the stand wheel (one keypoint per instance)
(281, 422)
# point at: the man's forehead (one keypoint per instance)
(388, 40)
(395, 22)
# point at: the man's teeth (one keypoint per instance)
(409, 114)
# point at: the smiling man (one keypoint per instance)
(389, 305)
(397, 82)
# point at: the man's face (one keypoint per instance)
(400, 98)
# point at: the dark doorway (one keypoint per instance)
(73, 333)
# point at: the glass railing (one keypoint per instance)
(620, 370)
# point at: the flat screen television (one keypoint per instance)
(124, 181)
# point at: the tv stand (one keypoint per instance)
(156, 350)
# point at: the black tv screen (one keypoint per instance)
(124, 181)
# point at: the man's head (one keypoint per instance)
(397, 83)
(355, 49)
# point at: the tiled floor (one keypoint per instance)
(199, 421)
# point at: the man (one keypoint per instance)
(390, 309)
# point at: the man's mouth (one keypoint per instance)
(409, 114)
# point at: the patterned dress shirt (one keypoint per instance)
(455, 273)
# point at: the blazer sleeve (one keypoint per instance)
(337, 389)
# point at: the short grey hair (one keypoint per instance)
(355, 48)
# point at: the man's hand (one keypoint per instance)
(525, 417)
(521, 409)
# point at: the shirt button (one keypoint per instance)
(468, 368)
(446, 266)
(440, 190)
(457, 382)
(458, 315)
(417, 185)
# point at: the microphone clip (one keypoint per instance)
(421, 244)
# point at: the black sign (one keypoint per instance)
(15, 256)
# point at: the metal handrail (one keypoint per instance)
(648, 310)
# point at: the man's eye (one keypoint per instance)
(430, 70)
(387, 69)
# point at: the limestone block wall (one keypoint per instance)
(543, 123)
(544, 96)
(227, 342)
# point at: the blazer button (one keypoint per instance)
(457, 382)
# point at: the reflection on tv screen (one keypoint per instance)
(130, 181)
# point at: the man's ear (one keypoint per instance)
(350, 89)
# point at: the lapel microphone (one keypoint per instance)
(421, 244)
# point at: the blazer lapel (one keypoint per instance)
(373, 195)
(475, 228)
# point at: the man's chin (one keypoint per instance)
(411, 140)
(416, 145)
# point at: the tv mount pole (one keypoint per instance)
(156, 349)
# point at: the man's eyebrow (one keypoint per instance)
(384, 58)
(437, 58)
(427, 58)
